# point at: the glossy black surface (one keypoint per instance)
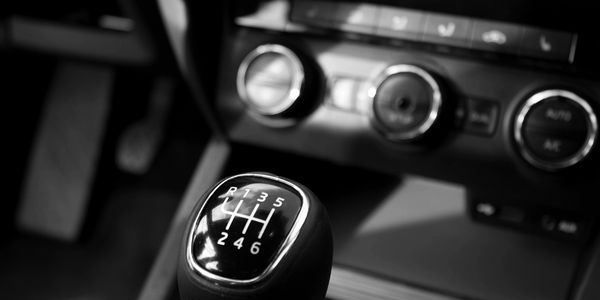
(243, 225)
(403, 102)
(555, 129)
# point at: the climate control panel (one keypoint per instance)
(496, 129)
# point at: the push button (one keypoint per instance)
(361, 18)
(495, 36)
(447, 29)
(400, 23)
(546, 43)
(539, 220)
(481, 117)
(569, 227)
(564, 226)
(557, 114)
(550, 146)
(486, 209)
(344, 92)
(316, 13)
(560, 116)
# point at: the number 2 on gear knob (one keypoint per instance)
(256, 236)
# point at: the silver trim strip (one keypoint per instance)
(435, 105)
(287, 244)
(573, 49)
(346, 284)
(591, 121)
(297, 78)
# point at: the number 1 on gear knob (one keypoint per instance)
(256, 236)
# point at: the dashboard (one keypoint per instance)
(505, 108)
(499, 103)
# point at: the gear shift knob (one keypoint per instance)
(256, 236)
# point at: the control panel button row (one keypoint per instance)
(443, 29)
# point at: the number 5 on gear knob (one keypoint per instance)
(256, 236)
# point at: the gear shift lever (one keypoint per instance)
(256, 236)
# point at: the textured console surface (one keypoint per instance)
(421, 236)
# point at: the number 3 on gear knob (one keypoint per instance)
(256, 236)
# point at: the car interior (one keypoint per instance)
(386, 149)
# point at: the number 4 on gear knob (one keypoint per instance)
(256, 236)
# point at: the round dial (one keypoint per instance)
(555, 129)
(407, 102)
(272, 81)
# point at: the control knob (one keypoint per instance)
(406, 102)
(278, 85)
(555, 129)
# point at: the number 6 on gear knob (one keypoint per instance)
(256, 236)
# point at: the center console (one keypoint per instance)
(419, 124)
(504, 107)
